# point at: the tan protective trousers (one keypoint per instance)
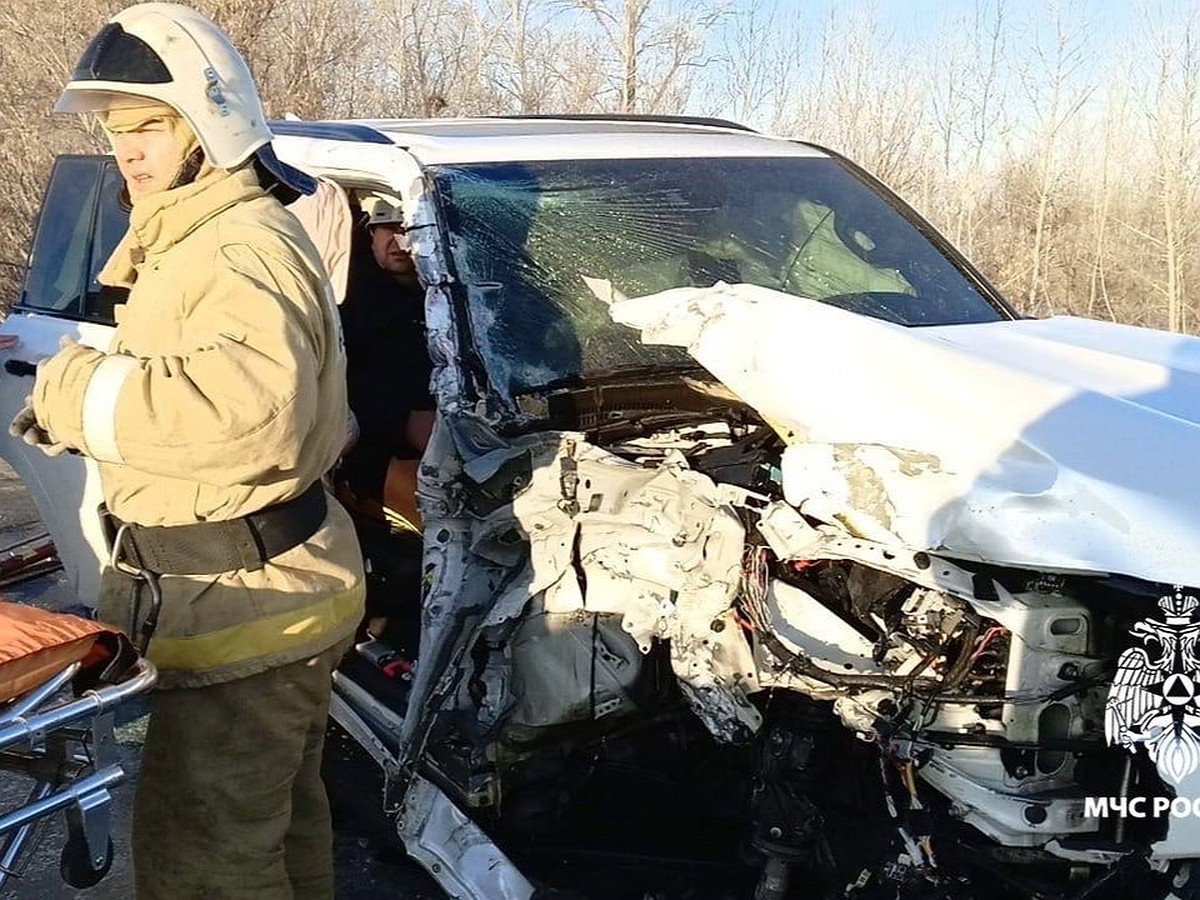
(230, 804)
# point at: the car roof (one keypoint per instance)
(528, 138)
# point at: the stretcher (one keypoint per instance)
(61, 678)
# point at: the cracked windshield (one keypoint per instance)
(528, 236)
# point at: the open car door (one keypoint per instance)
(80, 223)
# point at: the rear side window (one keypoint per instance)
(80, 223)
(111, 224)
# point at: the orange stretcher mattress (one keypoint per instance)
(36, 644)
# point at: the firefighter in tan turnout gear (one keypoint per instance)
(212, 417)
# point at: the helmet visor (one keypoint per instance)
(116, 55)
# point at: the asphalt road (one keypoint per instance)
(369, 858)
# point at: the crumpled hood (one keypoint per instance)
(1061, 443)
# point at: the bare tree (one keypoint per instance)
(1056, 93)
(1114, 124)
(874, 113)
(314, 53)
(656, 47)
(39, 47)
(758, 65)
(968, 72)
(1174, 126)
(1071, 196)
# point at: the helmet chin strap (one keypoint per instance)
(189, 171)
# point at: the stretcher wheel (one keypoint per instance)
(77, 867)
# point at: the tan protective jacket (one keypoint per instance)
(223, 393)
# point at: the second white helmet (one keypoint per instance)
(383, 211)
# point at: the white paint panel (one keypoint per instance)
(65, 488)
(443, 141)
(1062, 444)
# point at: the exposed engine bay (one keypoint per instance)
(715, 631)
(672, 680)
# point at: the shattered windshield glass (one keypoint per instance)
(528, 237)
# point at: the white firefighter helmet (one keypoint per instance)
(383, 211)
(175, 55)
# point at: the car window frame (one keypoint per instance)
(93, 296)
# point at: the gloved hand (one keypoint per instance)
(25, 426)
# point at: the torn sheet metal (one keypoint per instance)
(1051, 444)
(824, 637)
(549, 650)
(1027, 615)
(457, 587)
(454, 850)
(657, 546)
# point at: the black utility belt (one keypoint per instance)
(211, 548)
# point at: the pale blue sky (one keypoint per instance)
(918, 28)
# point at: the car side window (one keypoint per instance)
(112, 221)
(80, 223)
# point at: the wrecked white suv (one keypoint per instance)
(767, 552)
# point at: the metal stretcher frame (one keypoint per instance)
(67, 745)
